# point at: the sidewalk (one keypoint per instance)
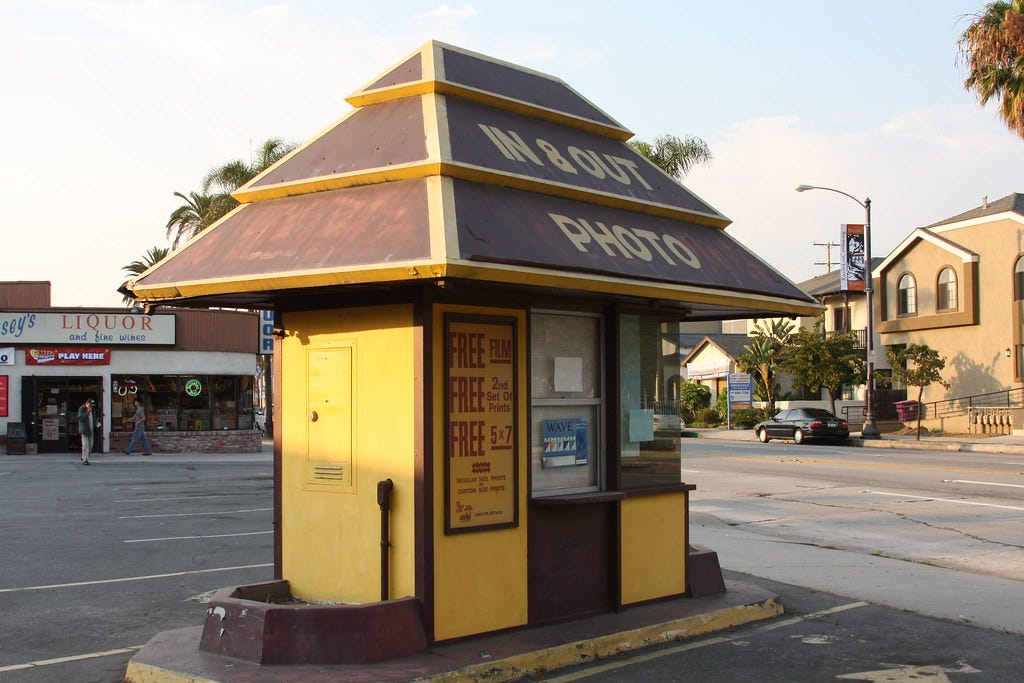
(965, 443)
(174, 656)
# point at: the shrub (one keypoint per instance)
(707, 417)
(693, 396)
(745, 418)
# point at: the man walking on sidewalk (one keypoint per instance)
(85, 428)
(139, 435)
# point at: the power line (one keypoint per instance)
(828, 254)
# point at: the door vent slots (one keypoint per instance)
(329, 470)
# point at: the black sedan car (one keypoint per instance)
(802, 424)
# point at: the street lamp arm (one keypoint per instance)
(804, 188)
(870, 430)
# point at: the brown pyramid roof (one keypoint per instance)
(455, 165)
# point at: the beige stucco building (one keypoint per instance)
(958, 286)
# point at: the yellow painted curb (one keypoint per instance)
(583, 651)
(146, 673)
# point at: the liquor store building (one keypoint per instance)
(473, 276)
(193, 370)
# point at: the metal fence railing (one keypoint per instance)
(952, 406)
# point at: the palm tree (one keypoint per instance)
(675, 156)
(763, 355)
(139, 266)
(992, 48)
(230, 176)
(198, 212)
(203, 209)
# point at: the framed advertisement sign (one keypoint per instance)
(3, 395)
(481, 462)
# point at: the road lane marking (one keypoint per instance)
(980, 483)
(839, 463)
(147, 577)
(195, 514)
(72, 658)
(946, 500)
(192, 538)
(704, 642)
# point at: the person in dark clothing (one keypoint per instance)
(86, 417)
(139, 435)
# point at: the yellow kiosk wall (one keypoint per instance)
(653, 546)
(349, 422)
(479, 577)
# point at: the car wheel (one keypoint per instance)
(798, 436)
(762, 435)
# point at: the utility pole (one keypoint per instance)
(828, 254)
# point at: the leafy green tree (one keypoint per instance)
(992, 49)
(815, 361)
(694, 396)
(763, 355)
(917, 365)
(137, 267)
(675, 156)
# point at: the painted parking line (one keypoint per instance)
(704, 642)
(147, 577)
(945, 500)
(72, 658)
(193, 538)
(196, 514)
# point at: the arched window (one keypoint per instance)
(1018, 280)
(946, 290)
(907, 304)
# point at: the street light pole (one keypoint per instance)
(870, 429)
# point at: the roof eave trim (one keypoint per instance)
(926, 235)
(423, 87)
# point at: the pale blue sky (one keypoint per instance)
(109, 107)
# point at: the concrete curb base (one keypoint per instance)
(174, 656)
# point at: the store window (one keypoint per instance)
(650, 447)
(184, 402)
(566, 449)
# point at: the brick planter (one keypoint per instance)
(223, 441)
(263, 623)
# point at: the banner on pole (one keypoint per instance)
(851, 240)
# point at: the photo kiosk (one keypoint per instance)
(477, 287)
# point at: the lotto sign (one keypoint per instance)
(7, 356)
(3, 395)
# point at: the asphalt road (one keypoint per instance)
(892, 565)
(957, 510)
(822, 637)
(97, 560)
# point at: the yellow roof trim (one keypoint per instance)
(485, 272)
(476, 174)
(417, 88)
(356, 275)
(492, 272)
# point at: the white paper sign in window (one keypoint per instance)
(568, 374)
